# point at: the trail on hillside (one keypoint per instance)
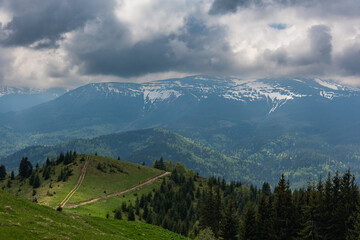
(91, 200)
(77, 185)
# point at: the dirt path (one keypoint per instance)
(77, 185)
(146, 182)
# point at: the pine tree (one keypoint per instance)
(208, 216)
(283, 211)
(217, 211)
(117, 214)
(2, 172)
(25, 168)
(326, 209)
(350, 202)
(266, 189)
(230, 223)
(36, 182)
(131, 214)
(145, 212)
(336, 220)
(60, 159)
(32, 178)
(264, 218)
(311, 227)
(12, 176)
(354, 233)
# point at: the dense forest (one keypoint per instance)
(211, 208)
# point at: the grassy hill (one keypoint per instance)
(103, 175)
(21, 219)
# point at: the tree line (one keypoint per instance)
(214, 209)
(35, 176)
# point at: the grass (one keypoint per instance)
(99, 182)
(113, 175)
(21, 219)
(107, 205)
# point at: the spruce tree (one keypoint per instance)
(117, 214)
(131, 214)
(230, 223)
(264, 218)
(217, 211)
(326, 209)
(12, 176)
(283, 211)
(25, 168)
(208, 216)
(312, 213)
(36, 182)
(350, 202)
(2, 172)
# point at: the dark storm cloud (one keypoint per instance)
(226, 6)
(115, 55)
(38, 20)
(319, 7)
(320, 46)
(349, 60)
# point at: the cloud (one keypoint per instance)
(43, 22)
(226, 6)
(69, 43)
(349, 60)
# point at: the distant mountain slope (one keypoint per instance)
(16, 99)
(145, 146)
(193, 106)
(303, 127)
(21, 219)
(300, 158)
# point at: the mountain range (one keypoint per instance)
(284, 125)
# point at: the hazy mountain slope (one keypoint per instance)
(145, 146)
(16, 99)
(194, 106)
(272, 123)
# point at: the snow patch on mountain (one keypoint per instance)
(157, 93)
(326, 84)
(253, 91)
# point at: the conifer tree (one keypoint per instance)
(266, 189)
(350, 202)
(12, 176)
(36, 182)
(311, 213)
(2, 172)
(208, 216)
(264, 218)
(117, 214)
(131, 214)
(283, 211)
(230, 222)
(217, 211)
(336, 219)
(32, 178)
(25, 168)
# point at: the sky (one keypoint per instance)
(70, 43)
